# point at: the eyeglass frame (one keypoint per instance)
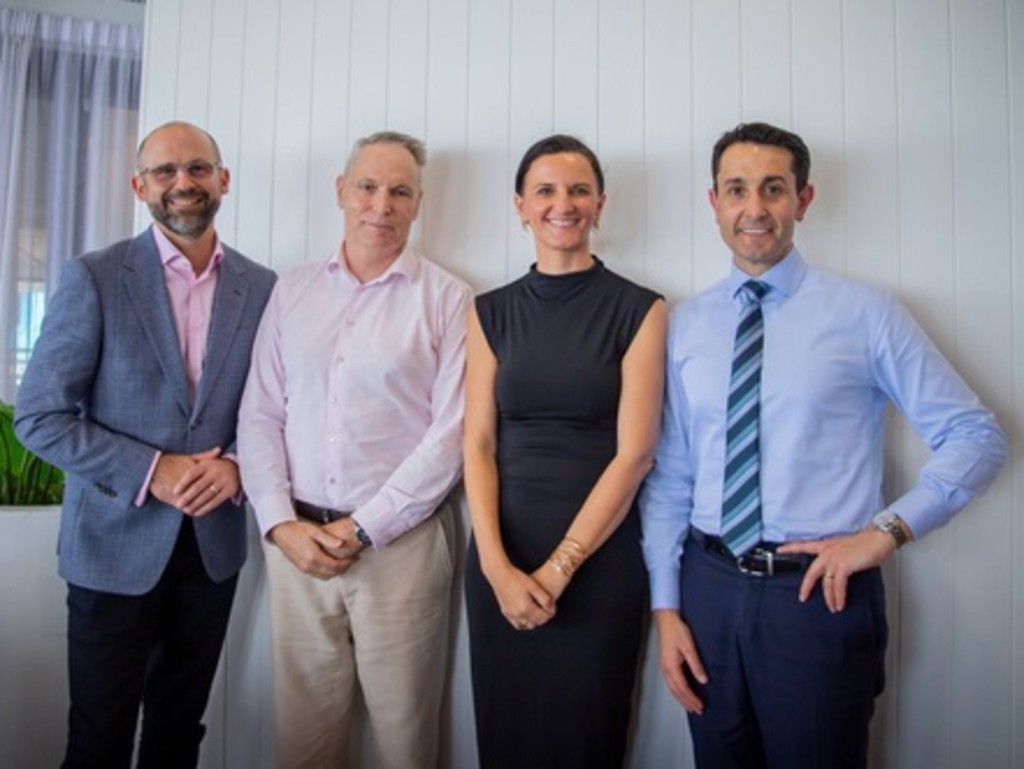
(206, 171)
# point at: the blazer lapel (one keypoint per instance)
(143, 278)
(228, 307)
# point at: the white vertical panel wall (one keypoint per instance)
(914, 111)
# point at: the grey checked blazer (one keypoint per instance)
(106, 387)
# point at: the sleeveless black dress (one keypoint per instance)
(561, 695)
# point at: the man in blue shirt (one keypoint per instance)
(775, 645)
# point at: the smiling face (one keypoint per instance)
(181, 180)
(560, 203)
(757, 205)
(380, 196)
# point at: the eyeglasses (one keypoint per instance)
(198, 170)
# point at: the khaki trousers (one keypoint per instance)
(382, 626)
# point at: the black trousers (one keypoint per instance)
(158, 650)
(791, 685)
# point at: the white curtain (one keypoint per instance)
(69, 98)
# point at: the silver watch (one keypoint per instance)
(889, 522)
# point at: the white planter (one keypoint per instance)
(33, 696)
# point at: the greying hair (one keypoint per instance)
(415, 147)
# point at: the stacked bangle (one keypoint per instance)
(568, 557)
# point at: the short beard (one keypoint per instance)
(186, 225)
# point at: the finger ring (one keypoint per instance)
(213, 488)
(830, 576)
(521, 624)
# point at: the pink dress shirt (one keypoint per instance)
(354, 400)
(191, 299)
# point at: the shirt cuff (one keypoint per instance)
(921, 509)
(273, 511)
(380, 522)
(664, 587)
(143, 493)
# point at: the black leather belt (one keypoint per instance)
(762, 560)
(318, 514)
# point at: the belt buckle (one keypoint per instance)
(326, 516)
(767, 556)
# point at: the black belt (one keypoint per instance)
(762, 560)
(318, 514)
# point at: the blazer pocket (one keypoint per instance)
(105, 490)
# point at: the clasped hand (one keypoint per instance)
(321, 551)
(195, 484)
(527, 601)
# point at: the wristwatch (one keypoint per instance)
(361, 534)
(889, 522)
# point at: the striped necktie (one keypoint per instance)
(741, 500)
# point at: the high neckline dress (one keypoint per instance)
(560, 695)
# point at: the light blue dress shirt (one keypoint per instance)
(835, 351)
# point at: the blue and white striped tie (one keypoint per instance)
(741, 499)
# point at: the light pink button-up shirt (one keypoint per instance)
(191, 299)
(354, 399)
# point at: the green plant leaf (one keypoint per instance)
(25, 479)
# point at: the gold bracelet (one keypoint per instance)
(562, 564)
(573, 546)
(567, 557)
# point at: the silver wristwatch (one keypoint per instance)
(889, 522)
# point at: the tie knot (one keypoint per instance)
(754, 291)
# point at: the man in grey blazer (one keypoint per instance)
(133, 389)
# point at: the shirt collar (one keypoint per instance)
(169, 253)
(784, 278)
(407, 265)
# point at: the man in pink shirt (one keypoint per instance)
(133, 389)
(349, 443)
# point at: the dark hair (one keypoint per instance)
(554, 145)
(765, 133)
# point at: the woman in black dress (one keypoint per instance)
(564, 383)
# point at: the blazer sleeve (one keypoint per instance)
(50, 412)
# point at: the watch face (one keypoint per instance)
(886, 518)
(889, 522)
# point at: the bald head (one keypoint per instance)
(179, 127)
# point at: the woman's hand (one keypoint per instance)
(525, 603)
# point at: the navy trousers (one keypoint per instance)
(791, 685)
(158, 650)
